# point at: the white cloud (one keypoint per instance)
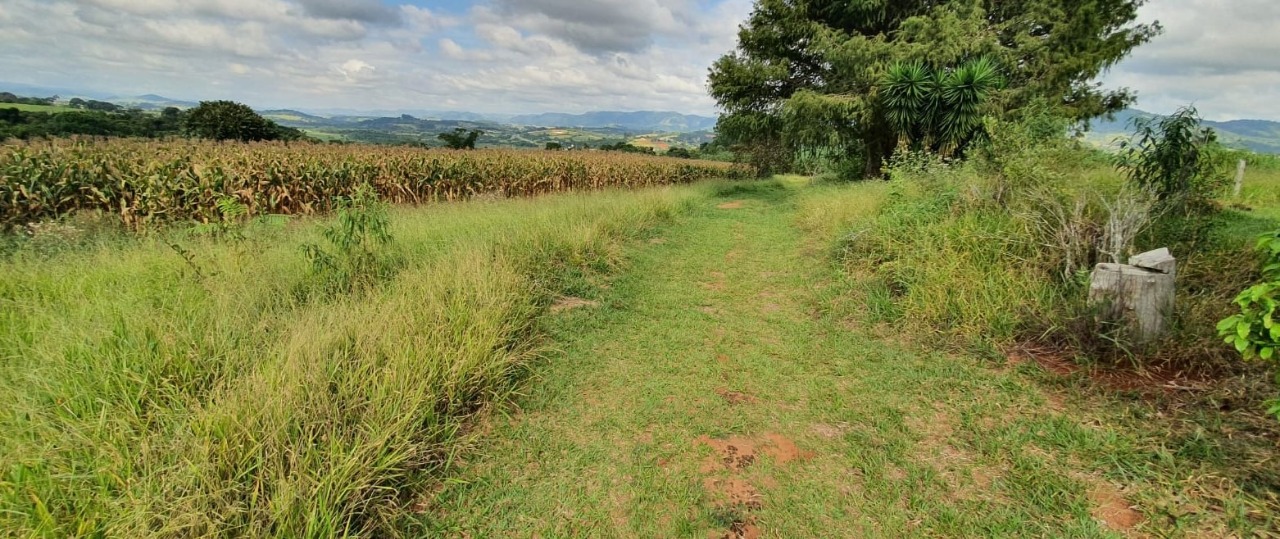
(1223, 57)
(500, 56)
(525, 55)
(355, 69)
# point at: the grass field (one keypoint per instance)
(728, 386)
(695, 361)
(212, 389)
(36, 108)
(323, 135)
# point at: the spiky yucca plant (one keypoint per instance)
(938, 110)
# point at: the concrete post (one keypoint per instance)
(1138, 295)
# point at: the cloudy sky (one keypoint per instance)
(523, 55)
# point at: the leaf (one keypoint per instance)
(1228, 324)
(1267, 353)
(1274, 408)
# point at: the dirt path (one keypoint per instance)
(707, 396)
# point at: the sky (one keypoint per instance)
(523, 56)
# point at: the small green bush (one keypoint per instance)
(1255, 332)
(355, 257)
(1176, 159)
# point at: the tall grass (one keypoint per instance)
(929, 267)
(996, 253)
(144, 393)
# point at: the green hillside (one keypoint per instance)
(1262, 136)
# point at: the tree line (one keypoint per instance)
(215, 120)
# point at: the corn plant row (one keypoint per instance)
(146, 182)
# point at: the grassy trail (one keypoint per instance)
(708, 396)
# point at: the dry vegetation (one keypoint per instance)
(145, 181)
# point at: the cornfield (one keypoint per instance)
(147, 182)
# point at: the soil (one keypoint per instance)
(738, 452)
(735, 205)
(735, 495)
(735, 397)
(827, 431)
(1112, 509)
(1152, 380)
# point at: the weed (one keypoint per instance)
(356, 257)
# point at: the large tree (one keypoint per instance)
(809, 72)
(228, 120)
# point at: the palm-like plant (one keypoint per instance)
(910, 96)
(940, 110)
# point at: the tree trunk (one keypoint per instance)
(1138, 296)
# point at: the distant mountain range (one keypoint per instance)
(1262, 136)
(150, 102)
(639, 122)
(661, 122)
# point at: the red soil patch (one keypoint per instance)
(1112, 509)
(718, 282)
(735, 205)
(735, 397)
(743, 530)
(734, 492)
(570, 303)
(738, 452)
(1148, 380)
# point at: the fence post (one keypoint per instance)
(1240, 177)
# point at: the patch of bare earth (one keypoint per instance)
(735, 497)
(827, 431)
(735, 205)
(1149, 380)
(569, 303)
(1110, 507)
(717, 283)
(735, 397)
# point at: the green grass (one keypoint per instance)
(142, 394)
(323, 135)
(1261, 193)
(841, 334)
(37, 108)
(730, 328)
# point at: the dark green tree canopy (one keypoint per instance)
(461, 138)
(807, 72)
(228, 120)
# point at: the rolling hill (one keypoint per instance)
(647, 121)
(1262, 136)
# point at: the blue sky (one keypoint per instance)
(514, 56)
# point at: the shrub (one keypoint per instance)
(1255, 332)
(1177, 160)
(355, 258)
